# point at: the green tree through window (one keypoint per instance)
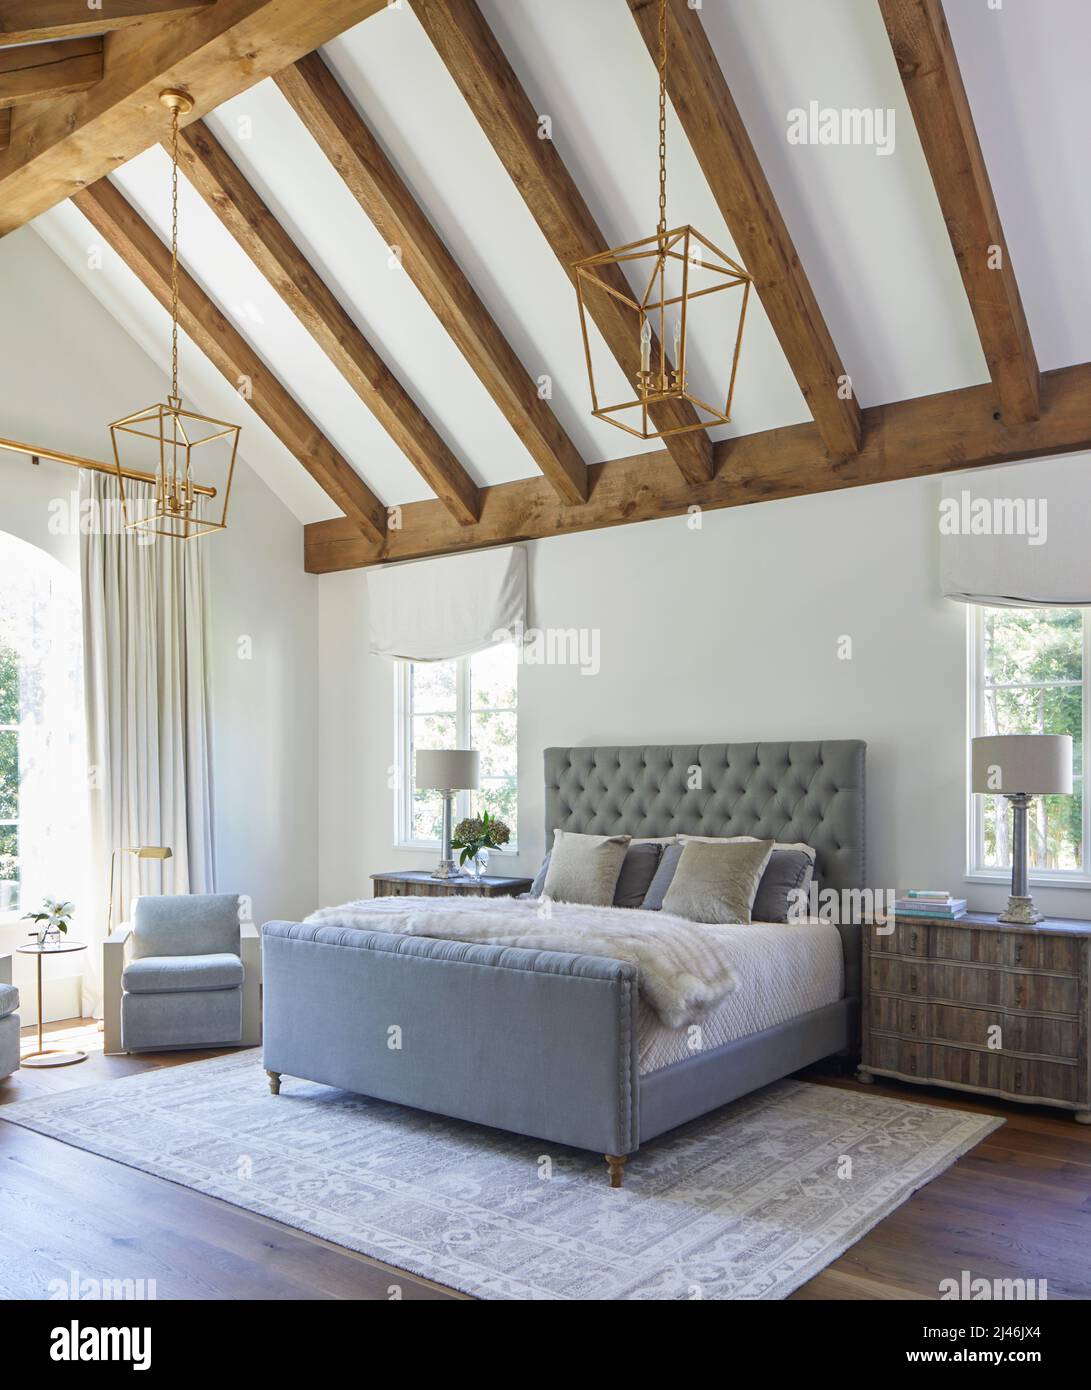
(1030, 679)
(9, 779)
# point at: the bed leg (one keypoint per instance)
(864, 1077)
(616, 1164)
(274, 1081)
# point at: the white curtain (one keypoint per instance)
(146, 679)
(1019, 535)
(434, 610)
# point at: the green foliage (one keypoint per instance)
(477, 833)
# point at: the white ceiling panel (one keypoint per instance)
(310, 199)
(212, 255)
(72, 237)
(1025, 66)
(867, 226)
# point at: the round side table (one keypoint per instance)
(50, 1056)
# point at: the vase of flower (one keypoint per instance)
(51, 923)
(474, 837)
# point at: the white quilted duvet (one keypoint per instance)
(783, 970)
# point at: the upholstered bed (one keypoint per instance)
(560, 1045)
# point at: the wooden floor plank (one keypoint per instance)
(1017, 1206)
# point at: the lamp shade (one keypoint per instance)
(446, 769)
(1036, 764)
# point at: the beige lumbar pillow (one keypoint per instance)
(717, 882)
(584, 868)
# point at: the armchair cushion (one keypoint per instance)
(174, 974)
(188, 924)
(9, 1000)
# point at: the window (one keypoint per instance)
(466, 703)
(1029, 670)
(44, 777)
(9, 779)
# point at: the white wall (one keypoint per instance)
(66, 370)
(726, 633)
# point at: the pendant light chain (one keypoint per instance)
(174, 255)
(662, 229)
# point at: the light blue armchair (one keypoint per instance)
(9, 1020)
(184, 974)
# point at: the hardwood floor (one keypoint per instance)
(1017, 1206)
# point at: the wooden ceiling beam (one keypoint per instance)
(214, 53)
(5, 128)
(139, 246)
(706, 109)
(505, 113)
(241, 210)
(943, 433)
(31, 21)
(36, 71)
(352, 149)
(941, 110)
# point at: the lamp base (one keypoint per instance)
(446, 869)
(1020, 912)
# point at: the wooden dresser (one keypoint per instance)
(419, 883)
(981, 1006)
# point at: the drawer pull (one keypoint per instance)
(913, 1064)
(1018, 1080)
(912, 1023)
(1018, 996)
(913, 940)
(1018, 953)
(913, 982)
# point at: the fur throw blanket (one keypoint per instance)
(685, 967)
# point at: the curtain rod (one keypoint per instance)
(132, 474)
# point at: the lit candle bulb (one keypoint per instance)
(677, 343)
(646, 347)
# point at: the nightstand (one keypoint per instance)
(420, 884)
(982, 1006)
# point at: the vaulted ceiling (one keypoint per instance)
(377, 237)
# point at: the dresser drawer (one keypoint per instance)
(949, 941)
(987, 1071)
(949, 1023)
(963, 984)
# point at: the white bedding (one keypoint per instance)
(783, 971)
(700, 986)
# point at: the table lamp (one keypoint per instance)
(141, 852)
(1019, 766)
(446, 770)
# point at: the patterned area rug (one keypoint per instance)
(748, 1202)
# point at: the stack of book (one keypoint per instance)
(929, 902)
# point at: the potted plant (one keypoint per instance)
(475, 836)
(52, 922)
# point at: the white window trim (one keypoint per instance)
(1039, 878)
(403, 816)
(12, 914)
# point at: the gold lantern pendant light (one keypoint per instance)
(182, 507)
(681, 267)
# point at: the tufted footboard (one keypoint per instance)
(542, 1043)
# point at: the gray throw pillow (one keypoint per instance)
(657, 889)
(637, 871)
(535, 890)
(584, 868)
(717, 883)
(787, 870)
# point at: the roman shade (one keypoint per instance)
(438, 609)
(1017, 536)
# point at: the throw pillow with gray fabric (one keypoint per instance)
(657, 889)
(584, 868)
(717, 883)
(535, 890)
(637, 871)
(787, 870)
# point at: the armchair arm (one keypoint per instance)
(250, 951)
(116, 951)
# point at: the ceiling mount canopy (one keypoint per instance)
(168, 440)
(678, 270)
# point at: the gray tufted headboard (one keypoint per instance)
(812, 792)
